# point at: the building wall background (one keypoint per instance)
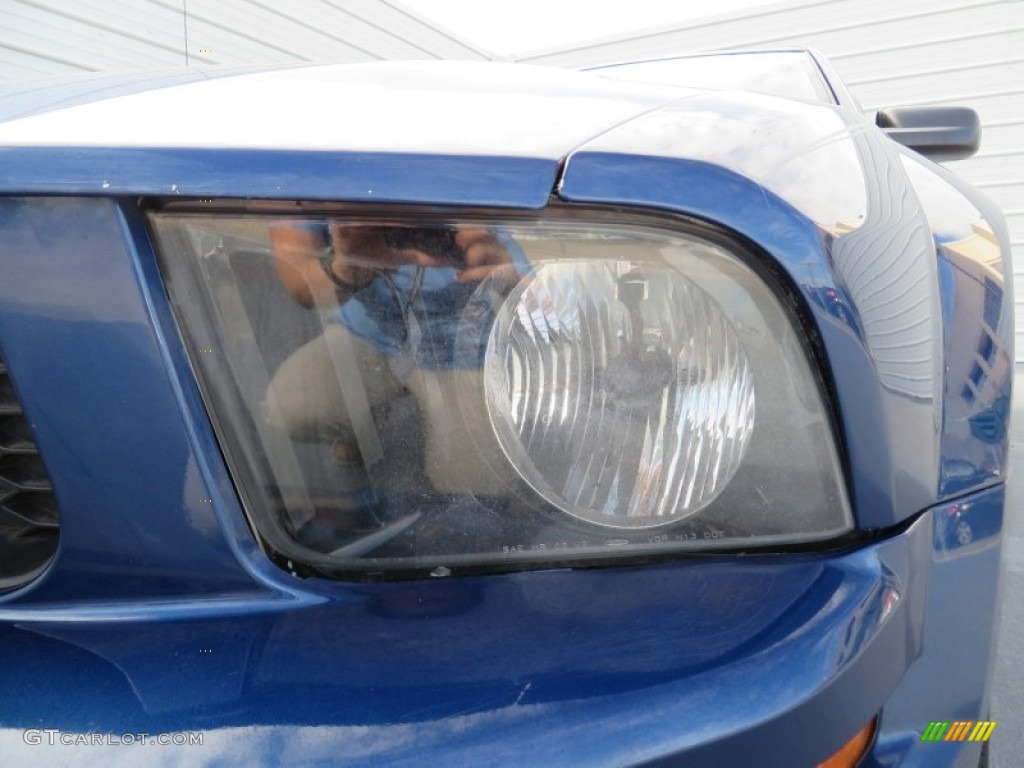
(967, 52)
(908, 52)
(64, 37)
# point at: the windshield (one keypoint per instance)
(791, 75)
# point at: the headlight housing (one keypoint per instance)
(500, 393)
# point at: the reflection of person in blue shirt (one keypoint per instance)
(395, 297)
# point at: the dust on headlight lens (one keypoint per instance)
(620, 391)
(403, 395)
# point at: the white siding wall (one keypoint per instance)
(907, 52)
(60, 37)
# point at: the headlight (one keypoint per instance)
(619, 391)
(500, 393)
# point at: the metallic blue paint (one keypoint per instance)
(90, 372)
(382, 177)
(708, 661)
(160, 613)
(971, 244)
(958, 637)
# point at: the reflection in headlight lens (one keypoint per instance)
(586, 387)
(619, 391)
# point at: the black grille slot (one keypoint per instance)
(28, 511)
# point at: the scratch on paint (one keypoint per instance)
(522, 693)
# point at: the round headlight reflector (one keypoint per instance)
(619, 391)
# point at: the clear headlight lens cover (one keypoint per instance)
(410, 395)
(622, 394)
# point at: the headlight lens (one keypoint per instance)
(499, 393)
(620, 391)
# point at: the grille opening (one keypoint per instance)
(8, 400)
(28, 510)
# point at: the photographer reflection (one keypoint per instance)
(398, 319)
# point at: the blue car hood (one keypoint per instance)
(453, 108)
(498, 131)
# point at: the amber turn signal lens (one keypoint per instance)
(853, 750)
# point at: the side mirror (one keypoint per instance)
(941, 133)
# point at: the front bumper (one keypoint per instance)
(768, 661)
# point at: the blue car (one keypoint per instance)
(485, 414)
